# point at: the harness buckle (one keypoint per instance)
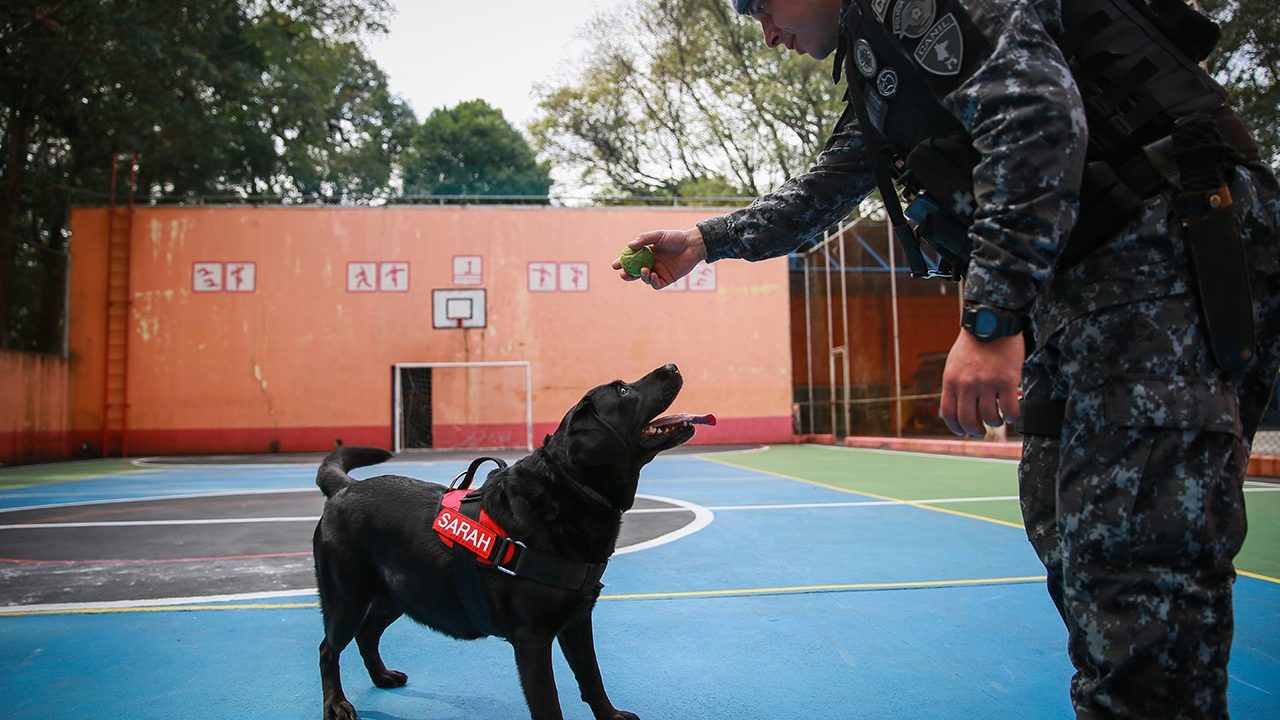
(501, 551)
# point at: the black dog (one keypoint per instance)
(378, 555)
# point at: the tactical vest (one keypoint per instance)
(1135, 67)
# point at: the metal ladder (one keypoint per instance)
(115, 376)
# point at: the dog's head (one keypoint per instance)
(616, 428)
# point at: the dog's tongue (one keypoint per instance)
(683, 419)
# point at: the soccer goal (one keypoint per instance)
(463, 405)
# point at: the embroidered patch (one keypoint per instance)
(879, 7)
(942, 50)
(459, 528)
(864, 58)
(887, 82)
(912, 18)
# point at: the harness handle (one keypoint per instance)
(464, 478)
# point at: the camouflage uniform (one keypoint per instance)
(1137, 509)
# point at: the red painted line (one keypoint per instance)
(153, 561)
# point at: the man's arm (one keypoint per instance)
(800, 208)
(1024, 114)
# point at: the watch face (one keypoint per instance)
(985, 323)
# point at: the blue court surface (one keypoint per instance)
(773, 596)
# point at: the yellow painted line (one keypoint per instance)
(800, 589)
(912, 503)
(791, 590)
(1257, 576)
(157, 608)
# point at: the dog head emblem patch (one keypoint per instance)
(941, 51)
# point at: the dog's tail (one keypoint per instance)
(333, 477)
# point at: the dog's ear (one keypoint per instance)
(593, 441)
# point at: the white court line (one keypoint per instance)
(154, 602)
(702, 517)
(916, 453)
(700, 521)
(153, 498)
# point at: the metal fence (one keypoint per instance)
(874, 340)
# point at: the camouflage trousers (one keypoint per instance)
(1137, 508)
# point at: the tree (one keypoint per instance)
(677, 93)
(237, 99)
(1247, 62)
(471, 149)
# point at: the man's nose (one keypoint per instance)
(772, 37)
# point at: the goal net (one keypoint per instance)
(463, 405)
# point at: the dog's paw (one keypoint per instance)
(339, 711)
(390, 679)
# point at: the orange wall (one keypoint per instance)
(33, 407)
(301, 361)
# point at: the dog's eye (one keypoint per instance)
(623, 390)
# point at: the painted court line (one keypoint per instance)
(681, 506)
(915, 503)
(244, 601)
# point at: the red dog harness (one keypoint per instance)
(477, 539)
(483, 536)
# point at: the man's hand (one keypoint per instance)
(675, 253)
(980, 383)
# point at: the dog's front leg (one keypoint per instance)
(578, 644)
(533, 662)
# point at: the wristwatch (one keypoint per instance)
(986, 323)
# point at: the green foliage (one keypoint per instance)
(471, 149)
(674, 94)
(235, 100)
(1247, 62)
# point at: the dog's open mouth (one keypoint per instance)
(670, 426)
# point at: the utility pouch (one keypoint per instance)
(1193, 33)
(948, 237)
(942, 213)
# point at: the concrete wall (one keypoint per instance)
(34, 407)
(295, 349)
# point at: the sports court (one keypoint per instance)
(769, 582)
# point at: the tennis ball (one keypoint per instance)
(633, 260)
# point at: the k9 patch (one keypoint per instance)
(941, 50)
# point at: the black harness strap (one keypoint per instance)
(466, 571)
(1041, 418)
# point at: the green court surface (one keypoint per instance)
(976, 487)
(25, 475)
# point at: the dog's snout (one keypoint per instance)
(671, 368)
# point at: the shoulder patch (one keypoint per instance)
(912, 18)
(880, 7)
(864, 58)
(941, 51)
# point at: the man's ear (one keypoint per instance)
(592, 441)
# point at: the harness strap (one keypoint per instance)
(1041, 418)
(478, 541)
(466, 575)
(464, 478)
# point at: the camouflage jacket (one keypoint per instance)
(1020, 107)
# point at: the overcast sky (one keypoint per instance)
(441, 52)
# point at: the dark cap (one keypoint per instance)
(741, 6)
